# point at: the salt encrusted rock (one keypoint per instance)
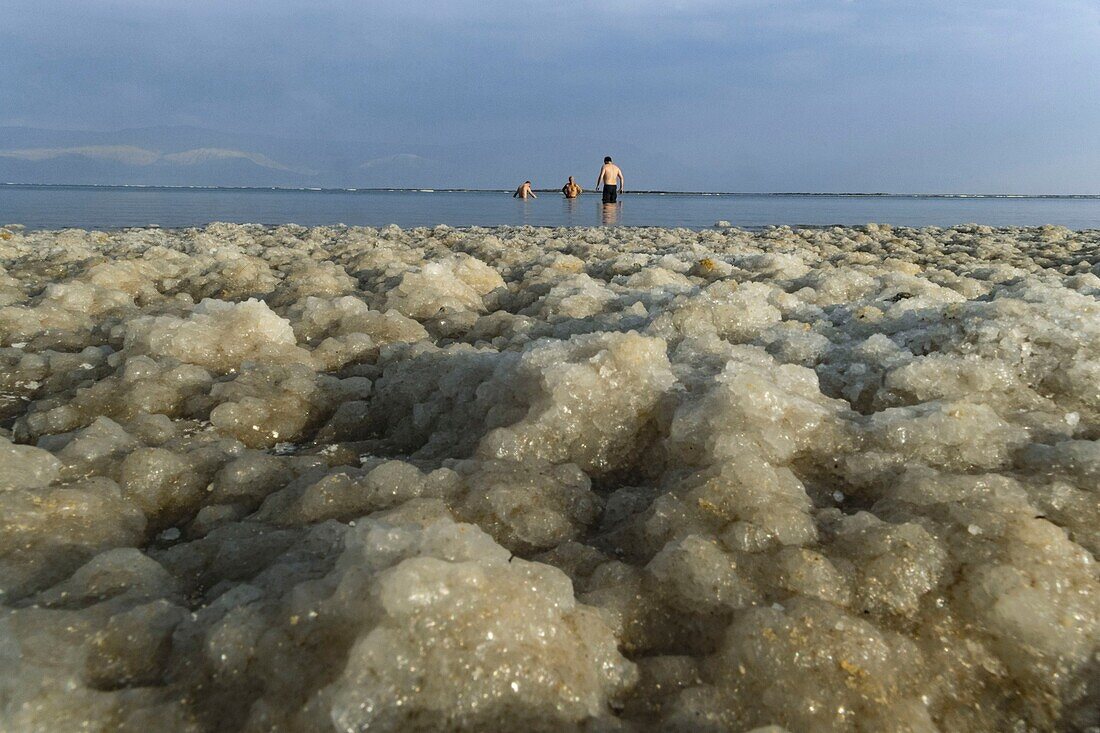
(26, 467)
(454, 284)
(219, 336)
(506, 644)
(281, 478)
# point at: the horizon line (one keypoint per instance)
(428, 189)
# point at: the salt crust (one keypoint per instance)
(357, 479)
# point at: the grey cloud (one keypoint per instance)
(810, 93)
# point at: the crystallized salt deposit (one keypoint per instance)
(348, 479)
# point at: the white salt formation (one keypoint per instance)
(347, 479)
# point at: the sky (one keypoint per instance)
(787, 95)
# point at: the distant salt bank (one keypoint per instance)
(481, 478)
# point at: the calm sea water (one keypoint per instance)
(110, 207)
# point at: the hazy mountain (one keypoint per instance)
(189, 156)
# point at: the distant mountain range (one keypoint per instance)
(191, 156)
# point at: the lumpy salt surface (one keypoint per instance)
(352, 479)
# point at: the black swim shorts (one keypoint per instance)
(610, 194)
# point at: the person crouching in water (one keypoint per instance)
(524, 191)
(571, 189)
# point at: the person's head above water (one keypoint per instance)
(570, 179)
(526, 183)
(607, 159)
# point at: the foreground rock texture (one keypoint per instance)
(289, 479)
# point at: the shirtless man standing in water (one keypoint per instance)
(571, 189)
(612, 179)
(524, 191)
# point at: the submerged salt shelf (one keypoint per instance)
(614, 479)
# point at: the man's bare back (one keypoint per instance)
(610, 174)
(611, 178)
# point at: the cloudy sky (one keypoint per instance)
(822, 95)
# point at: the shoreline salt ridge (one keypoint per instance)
(286, 478)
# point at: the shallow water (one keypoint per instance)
(113, 207)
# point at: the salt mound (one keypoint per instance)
(452, 285)
(331, 478)
(217, 335)
(27, 467)
(506, 643)
(590, 400)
